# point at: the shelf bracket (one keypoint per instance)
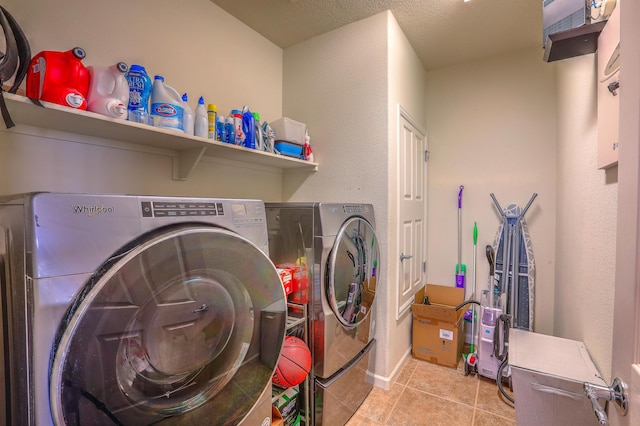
(186, 161)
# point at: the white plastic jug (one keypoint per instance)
(166, 106)
(108, 90)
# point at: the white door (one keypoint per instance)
(626, 327)
(411, 211)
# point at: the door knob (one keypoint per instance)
(405, 256)
(617, 393)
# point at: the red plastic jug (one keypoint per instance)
(59, 77)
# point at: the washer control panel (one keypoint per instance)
(180, 209)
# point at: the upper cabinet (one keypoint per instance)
(608, 92)
(189, 149)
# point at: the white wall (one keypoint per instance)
(347, 85)
(407, 88)
(586, 223)
(492, 128)
(337, 84)
(189, 47)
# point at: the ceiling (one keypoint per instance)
(442, 32)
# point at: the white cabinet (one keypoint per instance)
(609, 91)
(189, 149)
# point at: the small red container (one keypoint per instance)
(286, 278)
(299, 292)
(59, 77)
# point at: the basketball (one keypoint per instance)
(294, 363)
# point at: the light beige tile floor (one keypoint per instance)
(428, 394)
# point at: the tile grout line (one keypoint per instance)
(404, 388)
(475, 403)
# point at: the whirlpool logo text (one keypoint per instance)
(92, 210)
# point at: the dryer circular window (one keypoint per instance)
(351, 272)
(168, 328)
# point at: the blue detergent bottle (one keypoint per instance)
(221, 131)
(230, 132)
(140, 86)
(248, 128)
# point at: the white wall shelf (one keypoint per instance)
(189, 149)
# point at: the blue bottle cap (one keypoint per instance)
(185, 98)
(201, 101)
(159, 77)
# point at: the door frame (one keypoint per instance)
(626, 318)
(403, 307)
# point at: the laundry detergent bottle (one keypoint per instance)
(140, 86)
(201, 126)
(166, 106)
(188, 119)
(108, 90)
(59, 77)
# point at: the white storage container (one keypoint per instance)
(288, 130)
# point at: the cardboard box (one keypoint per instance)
(285, 401)
(365, 308)
(276, 417)
(438, 329)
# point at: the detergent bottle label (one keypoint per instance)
(168, 115)
(140, 87)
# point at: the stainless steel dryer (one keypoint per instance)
(135, 310)
(340, 248)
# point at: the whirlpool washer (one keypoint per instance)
(137, 310)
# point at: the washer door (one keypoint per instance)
(169, 330)
(351, 283)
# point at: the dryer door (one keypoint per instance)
(351, 274)
(168, 331)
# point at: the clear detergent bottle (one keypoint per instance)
(166, 106)
(140, 86)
